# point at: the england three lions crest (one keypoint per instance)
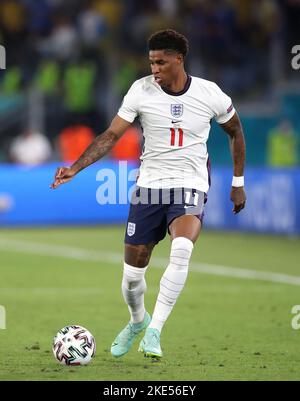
(176, 110)
(131, 229)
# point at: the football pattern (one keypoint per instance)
(74, 345)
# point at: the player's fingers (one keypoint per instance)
(59, 172)
(59, 181)
(238, 208)
(55, 184)
(62, 176)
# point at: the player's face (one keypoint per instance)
(165, 66)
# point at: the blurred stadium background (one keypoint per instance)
(68, 65)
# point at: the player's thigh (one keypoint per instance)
(185, 213)
(188, 226)
(138, 255)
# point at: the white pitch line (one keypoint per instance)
(68, 252)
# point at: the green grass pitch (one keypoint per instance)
(222, 327)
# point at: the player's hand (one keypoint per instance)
(238, 198)
(62, 175)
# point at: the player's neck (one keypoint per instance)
(179, 84)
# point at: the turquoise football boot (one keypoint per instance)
(150, 344)
(124, 340)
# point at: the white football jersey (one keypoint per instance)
(175, 128)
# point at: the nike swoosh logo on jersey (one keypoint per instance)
(176, 121)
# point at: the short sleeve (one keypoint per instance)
(130, 106)
(222, 106)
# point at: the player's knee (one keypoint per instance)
(134, 277)
(181, 251)
(138, 255)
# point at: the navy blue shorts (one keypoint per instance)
(152, 211)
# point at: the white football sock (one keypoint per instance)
(133, 289)
(172, 281)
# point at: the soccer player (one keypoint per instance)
(175, 112)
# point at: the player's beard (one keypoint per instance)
(159, 81)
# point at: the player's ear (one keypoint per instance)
(179, 58)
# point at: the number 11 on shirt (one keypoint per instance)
(173, 136)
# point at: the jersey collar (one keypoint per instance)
(183, 91)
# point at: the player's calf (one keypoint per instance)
(172, 281)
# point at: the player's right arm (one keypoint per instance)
(101, 145)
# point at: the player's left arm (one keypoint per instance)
(234, 129)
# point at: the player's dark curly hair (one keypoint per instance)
(169, 39)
